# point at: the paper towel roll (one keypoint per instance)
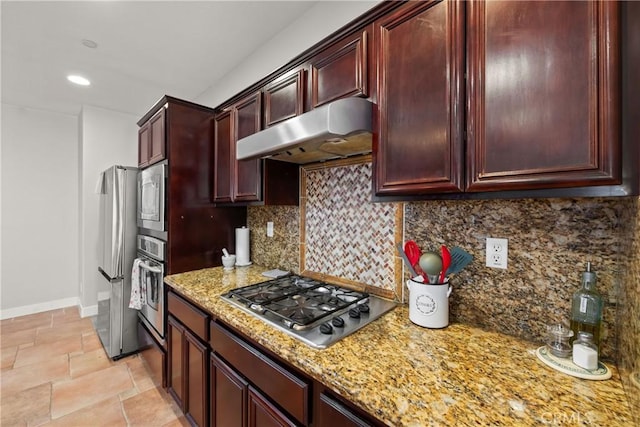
(242, 246)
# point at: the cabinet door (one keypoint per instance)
(543, 94)
(283, 386)
(196, 405)
(229, 395)
(419, 145)
(223, 169)
(144, 136)
(263, 413)
(157, 140)
(175, 376)
(340, 71)
(284, 98)
(332, 413)
(247, 177)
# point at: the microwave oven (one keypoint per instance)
(151, 198)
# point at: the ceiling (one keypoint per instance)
(145, 49)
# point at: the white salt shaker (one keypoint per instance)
(585, 352)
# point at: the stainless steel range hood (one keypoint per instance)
(339, 129)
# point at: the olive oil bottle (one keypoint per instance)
(586, 307)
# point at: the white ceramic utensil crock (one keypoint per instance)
(429, 303)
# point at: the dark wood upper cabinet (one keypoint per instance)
(152, 140)
(284, 97)
(544, 94)
(247, 185)
(418, 140)
(237, 180)
(144, 137)
(340, 70)
(256, 181)
(196, 229)
(223, 169)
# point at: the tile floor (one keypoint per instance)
(54, 372)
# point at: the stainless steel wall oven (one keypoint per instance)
(151, 256)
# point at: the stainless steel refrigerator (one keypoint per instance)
(116, 323)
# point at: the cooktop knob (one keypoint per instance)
(364, 308)
(326, 328)
(354, 313)
(338, 322)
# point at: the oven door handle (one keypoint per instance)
(150, 268)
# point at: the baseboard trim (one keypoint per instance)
(40, 307)
(89, 311)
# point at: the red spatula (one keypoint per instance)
(446, 262)
(413, 252)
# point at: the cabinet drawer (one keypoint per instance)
(190, 316)
(283, 387)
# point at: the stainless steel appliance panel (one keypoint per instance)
(152, 279)
(117, 220)
(152, 247)
(317, 313)
(151, 254)
(116, 322)
(151, 197)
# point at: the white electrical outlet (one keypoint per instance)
(497, 252)
(270, 229)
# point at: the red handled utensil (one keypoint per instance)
(446, 262)
(406, 260)
(413, 252)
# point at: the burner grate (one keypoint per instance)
(297, 301)
(273, 290)
(312, 305)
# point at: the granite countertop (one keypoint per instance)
(406, 375)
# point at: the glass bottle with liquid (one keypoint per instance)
(586, 307)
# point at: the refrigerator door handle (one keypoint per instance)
(106, 276)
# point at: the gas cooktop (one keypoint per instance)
(317, 313)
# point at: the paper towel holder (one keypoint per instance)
(243, 246)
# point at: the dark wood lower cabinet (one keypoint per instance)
(196, 405)
(221, 378)
(175, 383)
(228, 391)
(234, 403)
(332, 412)
(188, 372)
(263, 413)
(286, 388)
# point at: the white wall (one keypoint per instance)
(50, 163)
(39, 211)
(316, 24)
(106, 138)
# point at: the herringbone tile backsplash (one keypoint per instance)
(345, 234)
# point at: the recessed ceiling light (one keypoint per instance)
(89, 43)
(79, 80)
